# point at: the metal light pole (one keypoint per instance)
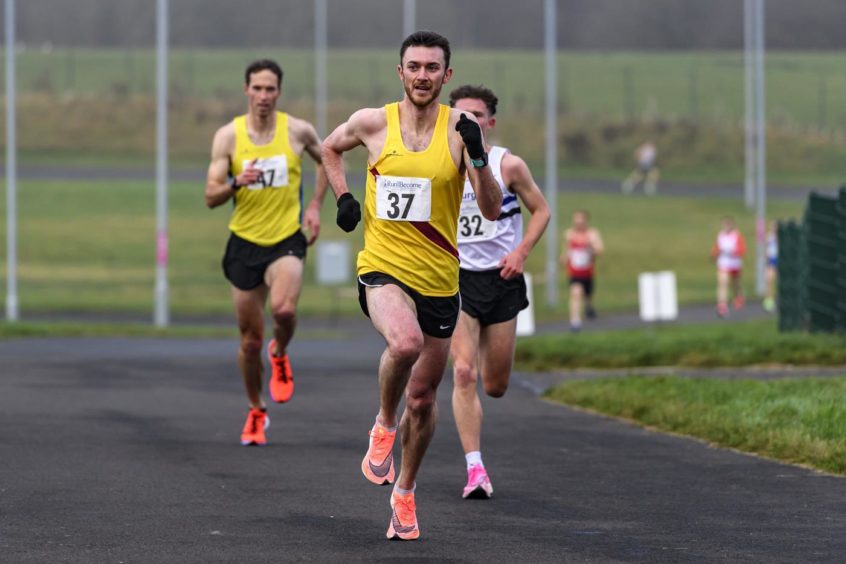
(11, 169)
(320, 46)
(161, 313)
(409, 14)
(748, 60)
(761, 137)
(551, 49)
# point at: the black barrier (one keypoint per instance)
(812, 267)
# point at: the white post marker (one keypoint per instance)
(551, 184)
(657, 293)
(161, 313)
(320, 77)
(11, 170)
(526, 317)
(333, 269)
(333, 263)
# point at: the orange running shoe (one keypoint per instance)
(253, 433)
(739, 302)
(403, 525)
(378, 463)
(281, 376)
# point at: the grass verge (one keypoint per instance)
(716, 344)
(794, 420)
(71, 329)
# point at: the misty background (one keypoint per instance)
(501, 24)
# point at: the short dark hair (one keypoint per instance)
(426, 39)
(264, 64)
(479, 92)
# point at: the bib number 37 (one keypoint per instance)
(403, 199)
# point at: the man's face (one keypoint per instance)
(262, 93)
(580, 220)
(423, 72)
(479, 109)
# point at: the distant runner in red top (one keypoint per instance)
(728, 251)
(582, 244)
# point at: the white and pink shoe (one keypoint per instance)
(478, 484)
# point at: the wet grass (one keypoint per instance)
(800, 421)
(710, 345)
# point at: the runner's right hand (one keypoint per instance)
(250, 175)
(349, 212)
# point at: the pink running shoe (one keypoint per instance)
(478, 484)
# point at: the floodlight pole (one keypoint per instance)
(409, 15)
(748, 66)
(320, 46)
(550, 43)
(12, 313)
(761, 137)
(161, 313)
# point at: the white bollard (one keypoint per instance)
(657, 296)
(333, 262)
(526, 317)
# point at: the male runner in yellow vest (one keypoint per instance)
(255, 161)
(418, 152)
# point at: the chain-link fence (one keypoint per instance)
(662, 70)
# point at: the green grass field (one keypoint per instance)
(96, 107)
(802, 87)
(90, 246)
(711, 345)
(795, 420)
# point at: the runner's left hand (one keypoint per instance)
(311, 223)
(471, 134)
(512, 265)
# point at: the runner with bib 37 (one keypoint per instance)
(418, 152)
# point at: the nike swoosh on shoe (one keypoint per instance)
(382, 469)
(399, 527)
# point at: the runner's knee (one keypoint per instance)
(406, 348)
(420, 403)
(464, 374)
(251, 344)
(284, 313)
(496, 389)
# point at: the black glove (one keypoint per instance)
(349, 212)
(471, 134)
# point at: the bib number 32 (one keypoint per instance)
(472, 226)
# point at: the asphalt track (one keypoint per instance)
(126, 450)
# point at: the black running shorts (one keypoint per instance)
(586, 283)
(436, 316)
(244, 262)
(486, 296)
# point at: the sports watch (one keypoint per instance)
(480, 162)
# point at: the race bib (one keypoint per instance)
(400, 198)
(580, 258)
(274, 172)
(472, 225)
